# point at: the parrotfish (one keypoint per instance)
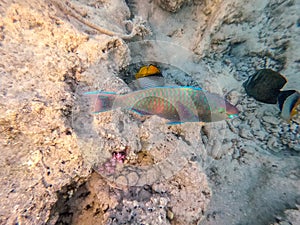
(176, 104)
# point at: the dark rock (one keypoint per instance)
(265, 85)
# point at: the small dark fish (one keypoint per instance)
(288, 102)
(265, 85)
(176, 104)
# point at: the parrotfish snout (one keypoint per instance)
(231, 110)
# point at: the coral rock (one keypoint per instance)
(170, 5)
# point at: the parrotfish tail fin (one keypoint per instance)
(101, 101)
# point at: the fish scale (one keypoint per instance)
(170, 96)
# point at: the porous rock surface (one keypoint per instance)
(171, 5)
(234, 172)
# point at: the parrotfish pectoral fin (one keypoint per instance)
(101, 101)
(186, 113)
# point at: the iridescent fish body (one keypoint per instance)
(176, 104)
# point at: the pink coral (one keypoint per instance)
(119, 156)
(109, 166)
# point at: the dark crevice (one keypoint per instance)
(132, 7)
(64, 206)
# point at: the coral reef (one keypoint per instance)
(53, 149)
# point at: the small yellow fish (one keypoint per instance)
(148, 77)
(146, 71)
